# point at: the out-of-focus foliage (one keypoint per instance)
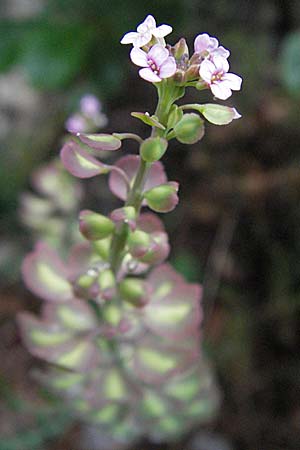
(290, 63)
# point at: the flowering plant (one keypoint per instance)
(119, 327)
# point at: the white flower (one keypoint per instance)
(145, 31)
(157, 63)
(215, 74)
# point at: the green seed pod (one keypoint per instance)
(106, 279)
(163, 198)
(152, 149)
(95, 226)
(138, 243)
(102, 247)
(189, 129)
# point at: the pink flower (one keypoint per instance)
(76, 124)
(207, 46)
(145, 31)
(215, 74)
(90, 105)
(157, 63)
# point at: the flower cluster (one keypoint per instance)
(120, 328)
(208, 65)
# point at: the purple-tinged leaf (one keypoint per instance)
(100, 141)
(126, 215)
(175, 316)
(150, 223)
(57, 345)
(79, 163)
(46, 276)
(75, 316)
(130, 164)
(154, 361)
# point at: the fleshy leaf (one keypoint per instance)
(100, 141)
(148, 120)
(177, 315)
(46, 276)
(75, 315)
(79, 163)
(130, 164)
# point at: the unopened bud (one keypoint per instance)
(163, 198)
(189, 129)
(180, 49)
(95, 226)
(134, 291)
(152, 149)
(138, 243)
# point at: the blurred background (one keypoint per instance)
(236, 228)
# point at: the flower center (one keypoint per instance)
(153, 66)
(217, 76)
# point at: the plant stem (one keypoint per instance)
(167, 94)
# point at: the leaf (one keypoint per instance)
(130, 164)
(79, 163)
(100, 141)
(148, 120)
(46, 276)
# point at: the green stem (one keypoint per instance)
(167, 94)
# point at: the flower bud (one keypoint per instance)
(189, 129)
(163, 198)
(138, 243)
(180, 49)
(152, 149)
(134, 291)
(95, 226)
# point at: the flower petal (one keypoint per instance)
(149, 23)
(129, 38)
(158, 54)
(220, 63)
(233, 81)
(139, 57)
(201, 43)
(207, 68)
(162, 31)
(221, 90)
(168, 68)
(223, 52)
(148, 75)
